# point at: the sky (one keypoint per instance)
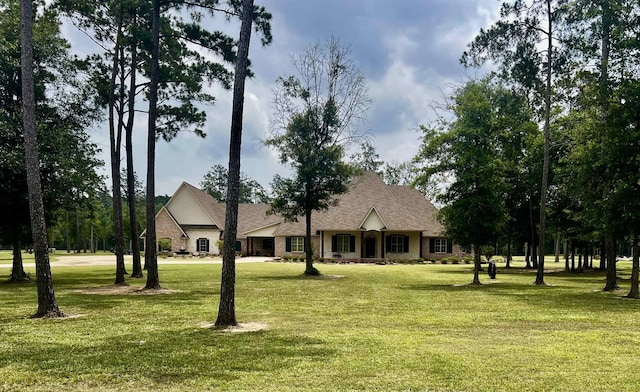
(408, 50)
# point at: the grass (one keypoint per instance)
(394, 327)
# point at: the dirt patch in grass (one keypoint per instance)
(240, 328)
(115, 289)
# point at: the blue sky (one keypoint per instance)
(409, 51)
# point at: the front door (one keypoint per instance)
(370, 247)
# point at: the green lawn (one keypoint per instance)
(399, 327)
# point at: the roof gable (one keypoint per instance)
(398, 207)
(189, 207)
(373, 221)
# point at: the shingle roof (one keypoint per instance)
(250, 216)
(401, 208)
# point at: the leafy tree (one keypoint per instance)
(250, 191)
(317, 113)
(513, 42)
(472, 149)
(67, 156)
(367, 159)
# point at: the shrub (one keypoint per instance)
(444, 261)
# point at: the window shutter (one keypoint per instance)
(432, 245)
(334, 243)
(207, 244)
(287, 244)
(352, 243)
(406, 244)
(388, 243)
(449, 246)
(238, 246)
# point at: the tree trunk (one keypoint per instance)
(17, 270)
(115, 139)
(226, 308)
(47, 304)
(566, 256)
(547, 144)
(131, 185)
(612, 283)
(556, 249)
(635, 269)
(477, 250)
(508, 265)
(150, 254)
(308, 248)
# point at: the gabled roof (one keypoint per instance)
(250, 216)
(400, 208)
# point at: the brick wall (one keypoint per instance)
(166, 228)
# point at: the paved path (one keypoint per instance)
(87, 260)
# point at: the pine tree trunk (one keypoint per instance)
(131, 186)
(635, 269)
(150, 253)
(17, 270)
(566, 256)
(556, 249)
(47, 304)
(226, 309)
(612, 278)
(547, 144)
(115, 139)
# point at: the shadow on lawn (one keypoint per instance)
(565, 296)
(170, 357)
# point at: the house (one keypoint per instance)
(371, 220)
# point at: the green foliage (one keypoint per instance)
(65, 109)
(470, 149)
(215, 184)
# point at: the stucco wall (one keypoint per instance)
(280, 247)
(414, 247)
(456, 251)
(213, 235)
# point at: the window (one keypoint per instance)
(343, 244)
(297, 244)
(397, 244)
(202, 245)
(440, 245)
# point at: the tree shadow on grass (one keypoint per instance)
(564, 297)
(165, 359)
